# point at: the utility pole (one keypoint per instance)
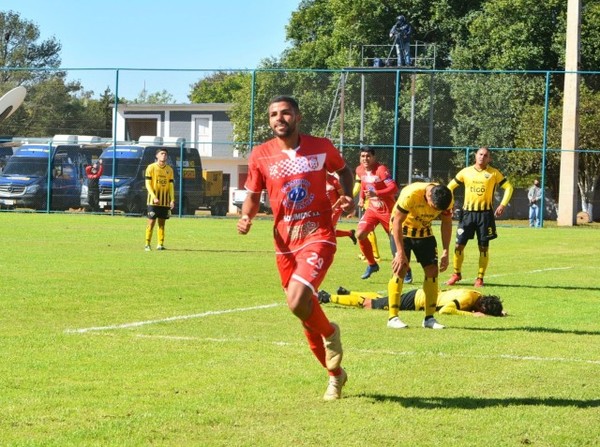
(569, 161)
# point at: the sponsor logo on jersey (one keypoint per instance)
(297, 194)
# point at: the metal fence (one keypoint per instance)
(422, 123)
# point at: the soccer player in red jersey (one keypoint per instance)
(293, 168)
(378, 186)
(334, 192)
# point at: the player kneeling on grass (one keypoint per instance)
(449, 302)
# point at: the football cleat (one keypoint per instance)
(342, 291)
(353, 236)
(147, 248)
(454, 279)
(478, 282)
(370, 270)
(323, 297)
(430, 323)
(396, 323)
(334, 387)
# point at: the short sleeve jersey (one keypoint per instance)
(296, 183)
(453, 301)
(479, 187)
(333, 187)
(376, 179)
(161, 178)
(412, 201)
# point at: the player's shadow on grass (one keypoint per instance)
(475, 403)
(549, 330)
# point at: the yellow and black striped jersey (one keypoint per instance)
(420, 214)
(480, 186)
(159, 182)
(453, 301)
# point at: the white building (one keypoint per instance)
(204, 126)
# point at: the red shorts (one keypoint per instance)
(371, 219)
(308, 265)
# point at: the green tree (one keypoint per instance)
(20, 48)
(530, 134)
(160, 97)
(220, 86)
(512, 35)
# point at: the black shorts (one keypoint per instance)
(407, 301)
(158, 212)
(425, 249)
(480, 223)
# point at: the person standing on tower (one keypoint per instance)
(401, 33)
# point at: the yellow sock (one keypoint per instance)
(347, 300)
(161, 235)
(148, 234)
(370, 295)
(394, 290)
(458, 259)
(484, 257)
(373, 240)
(430, 287)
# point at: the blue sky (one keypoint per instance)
(175, 34)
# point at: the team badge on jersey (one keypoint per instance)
(297, 194)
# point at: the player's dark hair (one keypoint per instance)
(491, 305)
(285, 98)
(441, 197)
(368, 149)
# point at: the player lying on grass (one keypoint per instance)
(449, 302)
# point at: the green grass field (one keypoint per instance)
(103, 344)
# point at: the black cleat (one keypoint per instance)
(323, 297)
(342, 291)
(353, 237)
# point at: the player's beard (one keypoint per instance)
(287, 130)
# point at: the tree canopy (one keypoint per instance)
(53, 105)
(496, 37)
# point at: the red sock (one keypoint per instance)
(343, 233)
(317, 320)
(315, 342)
(367, 250)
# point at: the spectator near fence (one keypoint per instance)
(535, 198)
(93, 174)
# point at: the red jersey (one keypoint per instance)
(380, 180)
(333, 188)
(296, 183)
(333, 193)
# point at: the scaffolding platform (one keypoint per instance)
(423, 56)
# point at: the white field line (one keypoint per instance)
(386, 351)
(169, 319)
(226, 311)
(549, 269)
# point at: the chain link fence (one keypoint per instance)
(422, 123)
